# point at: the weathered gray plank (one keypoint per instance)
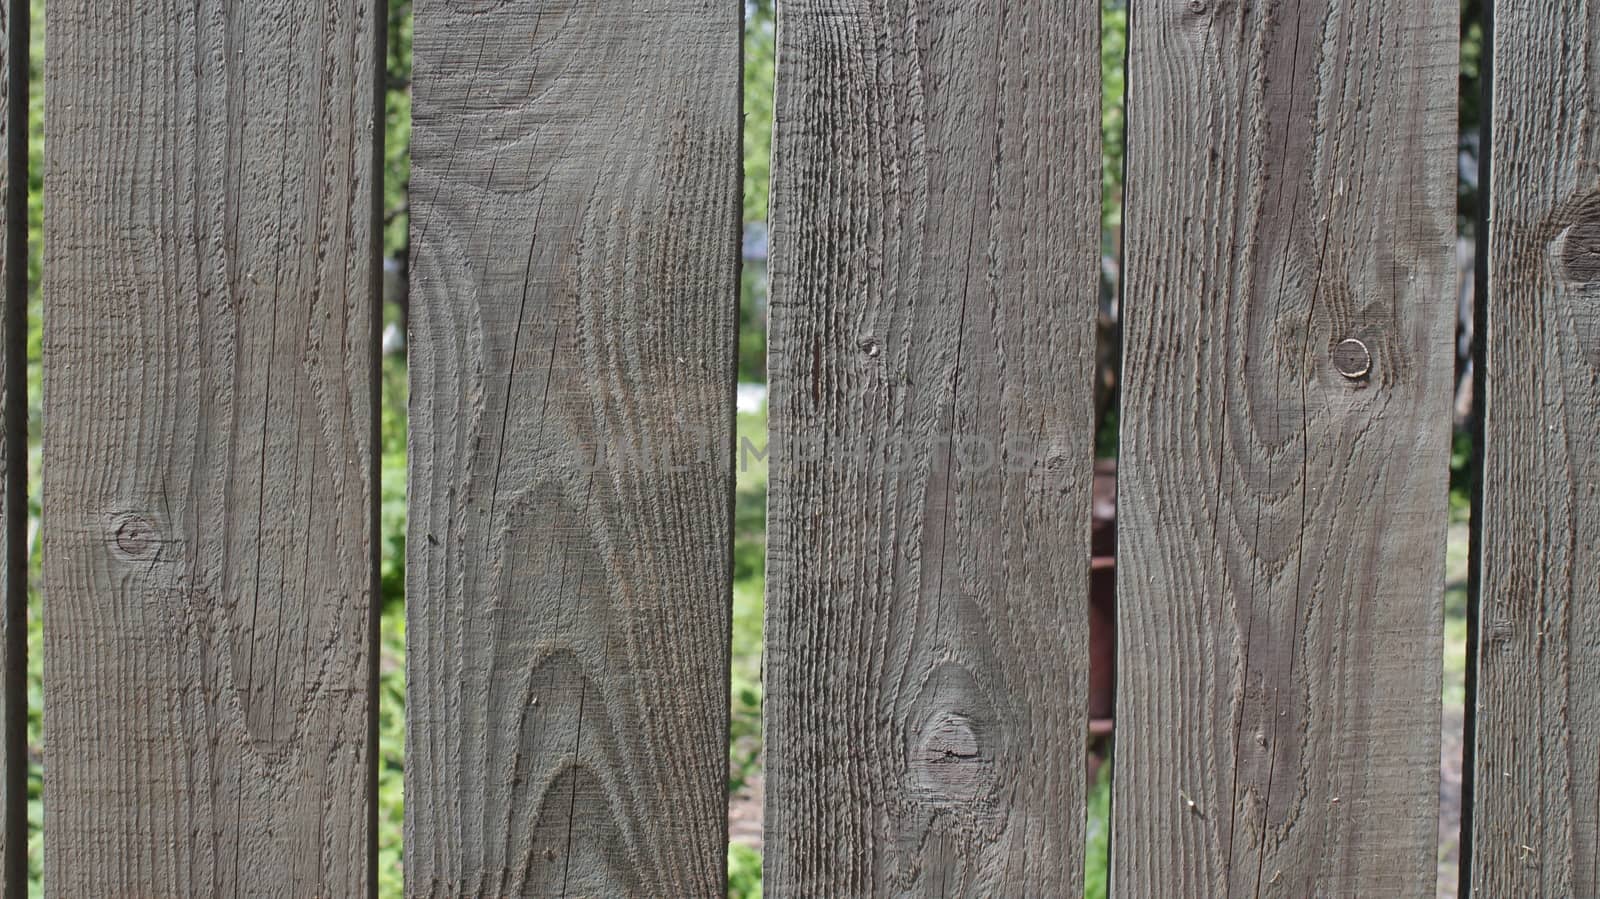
(934, 281)
(1536, 778)
(210, 562)
(14, 449)
(1291, 188)
(575, 178)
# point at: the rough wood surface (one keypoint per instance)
(210, 353)
(575, 185)
(1536, 816)
(934, 284)
(13, 448)
(1291, 187)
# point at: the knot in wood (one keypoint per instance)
(1057, 460)
(870, 346)
(1577, 248)
(135, 536)
(1352, 358)
(951, 739)
(952, 763)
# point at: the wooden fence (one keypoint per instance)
(210, 464)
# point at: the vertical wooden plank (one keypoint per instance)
(575, 184)
(934, 285)
(210, 353)
(14, 450)
(1536, 773)
(1285, 446)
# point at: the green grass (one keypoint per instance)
(1455, 617)
(392, 630)
(1097, 854)
(749, 585)
(744, 872)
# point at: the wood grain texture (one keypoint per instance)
(14, 449)
(934, 286)
(210, 359)
(1291, 187)
(1536, 821)
(575, 185)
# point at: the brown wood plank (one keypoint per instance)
(14, 449)
(210, 395)
(1536, 778)
(934, 281)
(1291, 188)
(575, 185)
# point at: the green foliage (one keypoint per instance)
(392, 625)
(1461, 476)
(1113, 51)
(392, 468)
(760, 62)
(391, 753)
(397, 137)
(392, 485)
(744, 872)
(1097, 853)
(749, 584)
(1457, 561)
(35, 416)
(1472, 59)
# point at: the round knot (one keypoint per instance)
(135, 536)
(1352, 358)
